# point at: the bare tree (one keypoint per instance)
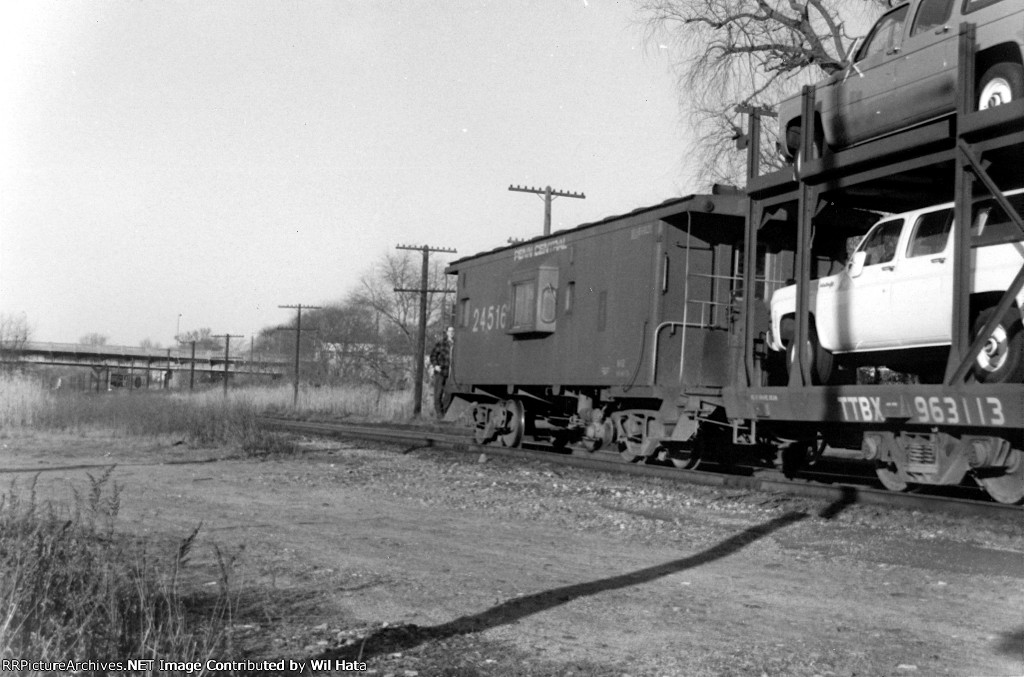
(749, 52)
(14, 334)
(203, 337)
(348, 347)
(396, 314)
(94, 339)
(370, 335)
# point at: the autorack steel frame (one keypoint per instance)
(981, 425)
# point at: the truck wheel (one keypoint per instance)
(1001, 359)
(821, 358)
(794, 146)
(1000, 84)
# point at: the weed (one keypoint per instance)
(71, 589)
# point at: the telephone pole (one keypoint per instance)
(298, 342)
(548, 194)
(421, 340)
(227, 350)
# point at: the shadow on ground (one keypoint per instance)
(404, 637)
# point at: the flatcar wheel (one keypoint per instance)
(688, 456)
(512, 422)
(890, 479)
(1007, 488)
(795, 457)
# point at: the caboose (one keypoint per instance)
(613, 335)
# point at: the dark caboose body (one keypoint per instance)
(614, 331)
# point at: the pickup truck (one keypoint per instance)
(905, 72)
(896, 291)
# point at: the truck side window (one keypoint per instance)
(886, 35)
(978, 4)
(932, 14)
(880, 243)
(931, 232)
(991, 225)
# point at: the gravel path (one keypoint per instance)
(423, 562)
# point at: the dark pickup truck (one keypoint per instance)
(905, 72)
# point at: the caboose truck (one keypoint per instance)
(934, 419)
(611, 336)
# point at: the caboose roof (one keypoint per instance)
(724, 201)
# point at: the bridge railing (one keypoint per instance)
(41, 348)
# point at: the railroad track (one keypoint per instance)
(830, 487)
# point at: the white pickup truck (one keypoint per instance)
(896, 292)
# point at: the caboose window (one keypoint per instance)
(524, 295)
(533, 298)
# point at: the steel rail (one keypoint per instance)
(846, 493)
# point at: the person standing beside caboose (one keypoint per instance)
(440, 364)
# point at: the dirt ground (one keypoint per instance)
(427, 562)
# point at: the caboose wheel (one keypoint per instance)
(483, 424)
(890, 479)
(511, 422)
(1007, 488)
(684, 459)
(631, 450)
(639, 434)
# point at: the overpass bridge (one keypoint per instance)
(140, 367)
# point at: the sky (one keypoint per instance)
(168, 165)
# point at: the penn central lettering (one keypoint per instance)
(540, 249)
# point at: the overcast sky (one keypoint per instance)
(218, 159)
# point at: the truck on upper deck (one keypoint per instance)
(905, 72)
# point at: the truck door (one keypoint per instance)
(922, 298)
(863, 101)
(863, 304)
(925, 76)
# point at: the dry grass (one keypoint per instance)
(72, 588)
(203, 418)
(21, 400)
(361, 402)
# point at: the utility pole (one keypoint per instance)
(548, 194)
(227, 351)
(421, 339)
(752, 139)
(298, 342)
